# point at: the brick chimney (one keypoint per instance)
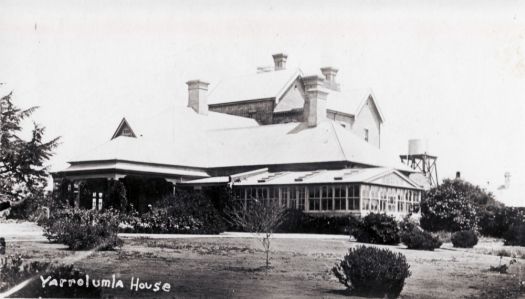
(197, 96)
(314, 110)
(279, 61)
(330, 73)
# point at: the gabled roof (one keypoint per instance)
(255, 86)
(273, 85)
(349, 102)
(352, 101)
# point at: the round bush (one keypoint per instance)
(451, 206)
(377, 229)
(464, 239)
(515, 235)
(370, 271)
(83, 229)
(419, 239)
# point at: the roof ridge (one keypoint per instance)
(338, 141)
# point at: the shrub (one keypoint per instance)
(13, 270)
(296, 221)
(83, 229)
(183, 213)
(371, 271)
(452, 206)
(464, 239)
(495, 221)
(408, 224)
(515, 235)
(377, 229)
(419, 239)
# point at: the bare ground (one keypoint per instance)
(233, 267)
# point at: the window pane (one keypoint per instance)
(301, 196)
(314, 198)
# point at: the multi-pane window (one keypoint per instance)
(353, 197)
(97, 201)
(400, 202)
(326, 198)
(348, 197)
(340, 197)
(273, 195)
(391, 207)
(285, 191)
(374, 198)
(383, 199)
(301, 198)
(314, 198)
(293, 198)
(365, 195)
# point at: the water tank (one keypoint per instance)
(417, 146)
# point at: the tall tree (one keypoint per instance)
(22, 171)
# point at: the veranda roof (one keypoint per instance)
(374, 175)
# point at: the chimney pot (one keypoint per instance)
(279, 61)
(197, 96)
(330, 73)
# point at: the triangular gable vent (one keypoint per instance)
(124, 129)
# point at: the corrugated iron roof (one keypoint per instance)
(294, 143)
(182, 137)
(350, 175)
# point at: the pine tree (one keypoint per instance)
(23, 174)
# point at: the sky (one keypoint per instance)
(450, 72)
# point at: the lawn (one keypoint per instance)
(233, 267)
